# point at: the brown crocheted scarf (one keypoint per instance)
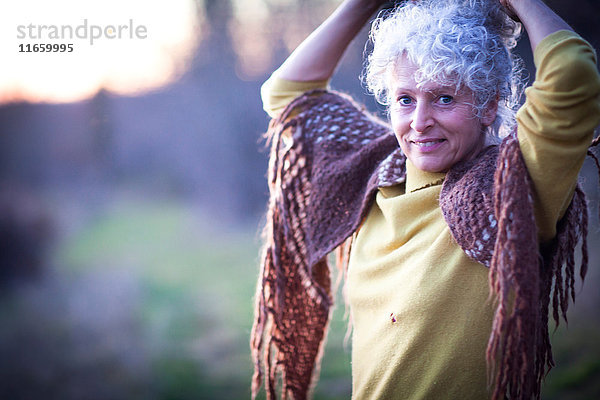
(328, 158)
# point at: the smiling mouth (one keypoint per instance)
(424, 144)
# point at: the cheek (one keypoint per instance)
(476, 132)
(467, 130)
(472, 138)
(400, 125)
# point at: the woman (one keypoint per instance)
(454, 244)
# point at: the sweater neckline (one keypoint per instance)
(417, 179)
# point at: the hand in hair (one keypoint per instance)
(507, 5)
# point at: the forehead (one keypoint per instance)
(402, 75)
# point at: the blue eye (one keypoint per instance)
(445, 99)
(404, 100)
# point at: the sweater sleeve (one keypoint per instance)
(277, 93)
(557, 122)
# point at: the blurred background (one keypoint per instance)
(132, 192)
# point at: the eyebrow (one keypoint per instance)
(435, 91)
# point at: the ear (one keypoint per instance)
(490, 112)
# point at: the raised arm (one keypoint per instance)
(318, 55)
(561, 110)
(313, 63)
(537, 18)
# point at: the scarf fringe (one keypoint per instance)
(519, 352)
(292, 298)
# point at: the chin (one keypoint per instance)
(429, 166)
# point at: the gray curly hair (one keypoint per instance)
(459, 43)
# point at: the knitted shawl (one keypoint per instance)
(328, 158)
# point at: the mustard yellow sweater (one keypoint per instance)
(419, 305)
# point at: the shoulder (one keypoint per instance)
(328, 117)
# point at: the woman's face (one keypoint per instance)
(436, 126)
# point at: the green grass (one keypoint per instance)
(198, 281)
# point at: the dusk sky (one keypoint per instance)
(105, 52)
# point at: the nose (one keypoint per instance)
(422, 117)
